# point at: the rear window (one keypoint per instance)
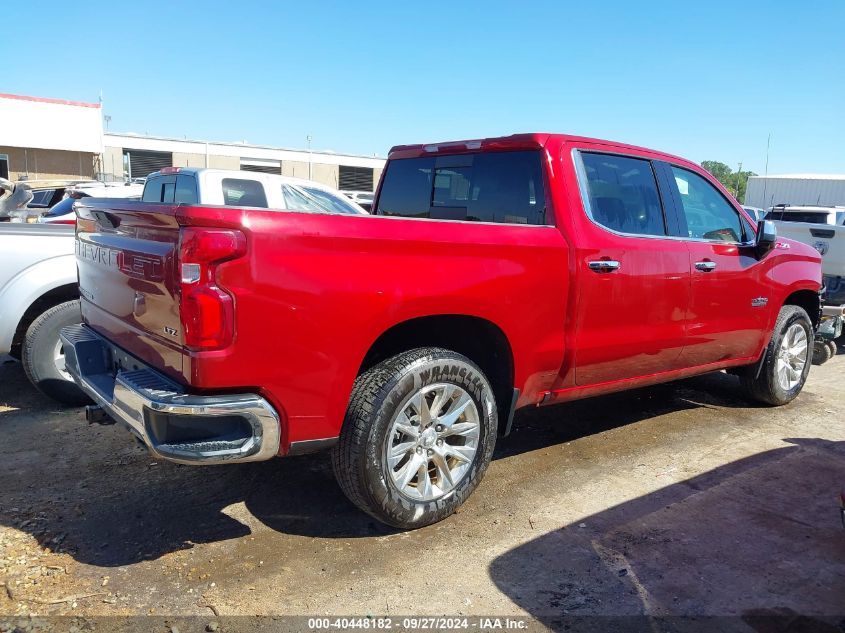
(41, 198)
(809, 217)
(504, 187)
(238, 192)
(172, 189)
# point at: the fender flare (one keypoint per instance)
(29, 285)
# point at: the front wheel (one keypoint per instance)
(417, 438)
(786, 361)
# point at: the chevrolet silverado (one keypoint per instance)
(493, 274)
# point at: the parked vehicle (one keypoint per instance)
(44, 198)
(62, 213)
(756, 213)
(362, 198)
(47, 193)
(244, 189)
(494, 274)
(823, 228)
(39, 296)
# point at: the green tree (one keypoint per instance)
(720, 171)
(733, 181)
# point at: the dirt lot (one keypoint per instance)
(679, 499)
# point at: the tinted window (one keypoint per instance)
(186, 190)
(238, 192)
(708, 215)
(486, 187)
(41, 198)
(161, 189)
(623, 194)
(406, 189)
(810, 217)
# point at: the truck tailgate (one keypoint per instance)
(126, 256)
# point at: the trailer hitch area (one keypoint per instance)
(95, 414)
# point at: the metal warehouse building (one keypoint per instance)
(135, 156)
(44, 139)
(825, 190)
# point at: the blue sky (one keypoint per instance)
(706, 80)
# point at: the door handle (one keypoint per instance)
(705, 267)
(604, 265)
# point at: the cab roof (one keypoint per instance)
(525, 141)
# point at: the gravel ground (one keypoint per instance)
(679, 499)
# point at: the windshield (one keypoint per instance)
(313, 199)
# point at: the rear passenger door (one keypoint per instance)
(728, 297)
(633, 273)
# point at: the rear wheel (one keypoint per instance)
(43, 356)
(418, 436)
(786, 361)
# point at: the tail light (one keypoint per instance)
(206, 310)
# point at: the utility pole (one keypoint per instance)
(310, 160)
(766, 173)
(738, 180)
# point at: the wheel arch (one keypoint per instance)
(50, 298)
(50, 279)
(477, 338)
(809, 301)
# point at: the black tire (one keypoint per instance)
(834, 348)
(38, 354)
(766, 388)
(359, 459)
(821, 353)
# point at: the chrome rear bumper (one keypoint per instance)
(174, 425)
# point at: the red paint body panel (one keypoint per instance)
(314, 292)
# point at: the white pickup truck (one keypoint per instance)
(38, 297)
(39, 293)
(823, 228)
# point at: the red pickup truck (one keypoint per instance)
(493, 274)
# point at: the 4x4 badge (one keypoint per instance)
(759, 302)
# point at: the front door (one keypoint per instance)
(728, 303)
(634, 281)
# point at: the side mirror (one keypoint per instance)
(767, 234)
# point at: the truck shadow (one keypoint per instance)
(759, 540)
(92, 492)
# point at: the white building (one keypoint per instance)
(826, 190)
(48, 139)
